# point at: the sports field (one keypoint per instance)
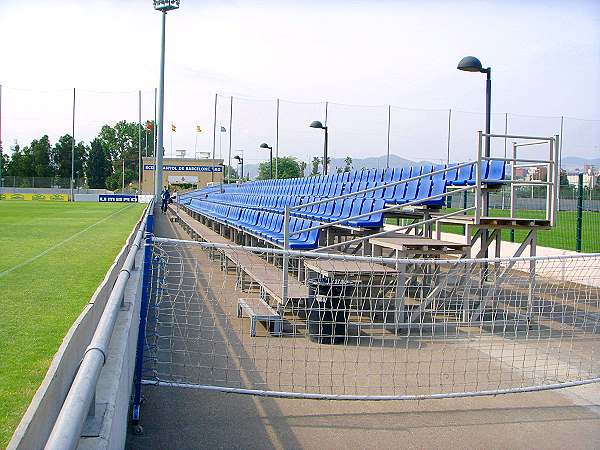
(52, 258)
(562, 236)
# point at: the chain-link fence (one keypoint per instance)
(11, 182)
(367, 328)
(577, 222)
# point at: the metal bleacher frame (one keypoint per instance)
(487, 229)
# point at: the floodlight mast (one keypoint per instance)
(163, 6)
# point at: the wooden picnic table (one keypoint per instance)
(407, 246)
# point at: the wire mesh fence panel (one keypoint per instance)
(14, 183)
(378, 328)
(357, 132)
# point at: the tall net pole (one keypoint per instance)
(277, 143)
(140, 141)
(212, 173)
(389, 120)
(73, 150)
(230, 132)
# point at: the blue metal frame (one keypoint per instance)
(146, 283)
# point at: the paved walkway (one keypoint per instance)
(190, 419)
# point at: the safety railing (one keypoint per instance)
(80, 400)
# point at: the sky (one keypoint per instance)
(359, 56)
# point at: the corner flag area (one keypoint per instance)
(53, 257)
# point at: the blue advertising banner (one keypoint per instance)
(170, 168)
(118, 198)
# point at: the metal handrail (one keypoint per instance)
(66, 432)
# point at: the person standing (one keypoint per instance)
(165, 196)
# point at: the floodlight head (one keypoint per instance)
(317, 124)
(166, 5)
(265, 145)
(470, 64)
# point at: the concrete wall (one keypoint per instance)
(36, 425)
(114, 387)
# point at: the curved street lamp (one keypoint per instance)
(317, 124)
(472, 64)
(265, 145)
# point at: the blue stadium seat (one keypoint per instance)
(484, 165)
(408, 194)
(497, 172)
(451, 174)
(367, 206)
(464, 175)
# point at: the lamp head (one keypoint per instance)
(238, 157)
(166, 5)
(317, 124)
(470, 64)
(265, 145)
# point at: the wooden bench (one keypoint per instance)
(265, 274)
(202, 231)
(258, 310)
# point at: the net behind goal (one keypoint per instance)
(355, 327)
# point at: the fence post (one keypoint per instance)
(579, 212)
(141, 340)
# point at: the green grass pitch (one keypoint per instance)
(562, 236)
(47, 275)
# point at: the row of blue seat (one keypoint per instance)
(492, 172)
(412, 191)
(266, 225)
(331, 211)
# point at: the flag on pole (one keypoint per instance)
(173, 127)
(198, 129)
(149, 126)
(223, 130)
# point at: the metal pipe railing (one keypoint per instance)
(67, 428)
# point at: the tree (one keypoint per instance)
(61, 158)
(41, 157)
(348, 164)
(4, 162)
(114, 182)
(302, 165)
(229, 173)
(121, 140)
(315, 166)
(98, 167)
(21, 162)
(287, 167)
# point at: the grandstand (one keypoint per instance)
(276, 271)
(304, 289)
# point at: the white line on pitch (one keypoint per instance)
(48, 250)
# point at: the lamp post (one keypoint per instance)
(319, 125)
(163, 6)
(241, 161)
(265, 145)
(223, 130)
(472, 64)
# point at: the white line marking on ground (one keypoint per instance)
(70, 238)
